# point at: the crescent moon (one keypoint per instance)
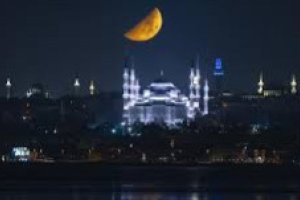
(147, 28)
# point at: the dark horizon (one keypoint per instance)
(52, 41)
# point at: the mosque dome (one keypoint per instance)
(162, 87)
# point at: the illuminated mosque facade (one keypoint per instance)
(162, 101)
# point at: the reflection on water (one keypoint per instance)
(75, 195)
(169, 183)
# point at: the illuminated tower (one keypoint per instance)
(219, 75)
(132, 84)
(192, 76)
(196, 83)
(76, 86)
(190, 112)
(126, 88)
(126, 95)
(130, 89)
(137, 88)
(261, 84)
(8, 88)
(197, 80)
(195, 87)
(205, 97)
(92, 88)
(293, 85)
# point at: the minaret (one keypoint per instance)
(190, 111)
(293, 85)
(192, 86)
(132, 90)
(76, 86)
(128, 89)
(261, 84)
(8, 88)
(205, 97)
(197, 89)
(92, 88)
(126, 95)
(136, 90)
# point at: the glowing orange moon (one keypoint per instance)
(147, 28)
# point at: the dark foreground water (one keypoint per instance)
(144, 196)
(104, 182)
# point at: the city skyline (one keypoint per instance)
(216, 79)
(51, 42)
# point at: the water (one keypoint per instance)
(76, 195)
(97, 182)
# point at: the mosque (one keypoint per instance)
(161, 101)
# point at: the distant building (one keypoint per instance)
(219, 76)
(276, 90)
(20, 154)
(162, 101)
(37, 90)
(273, 90)
(259, 111)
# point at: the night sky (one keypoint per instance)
(50, 41)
